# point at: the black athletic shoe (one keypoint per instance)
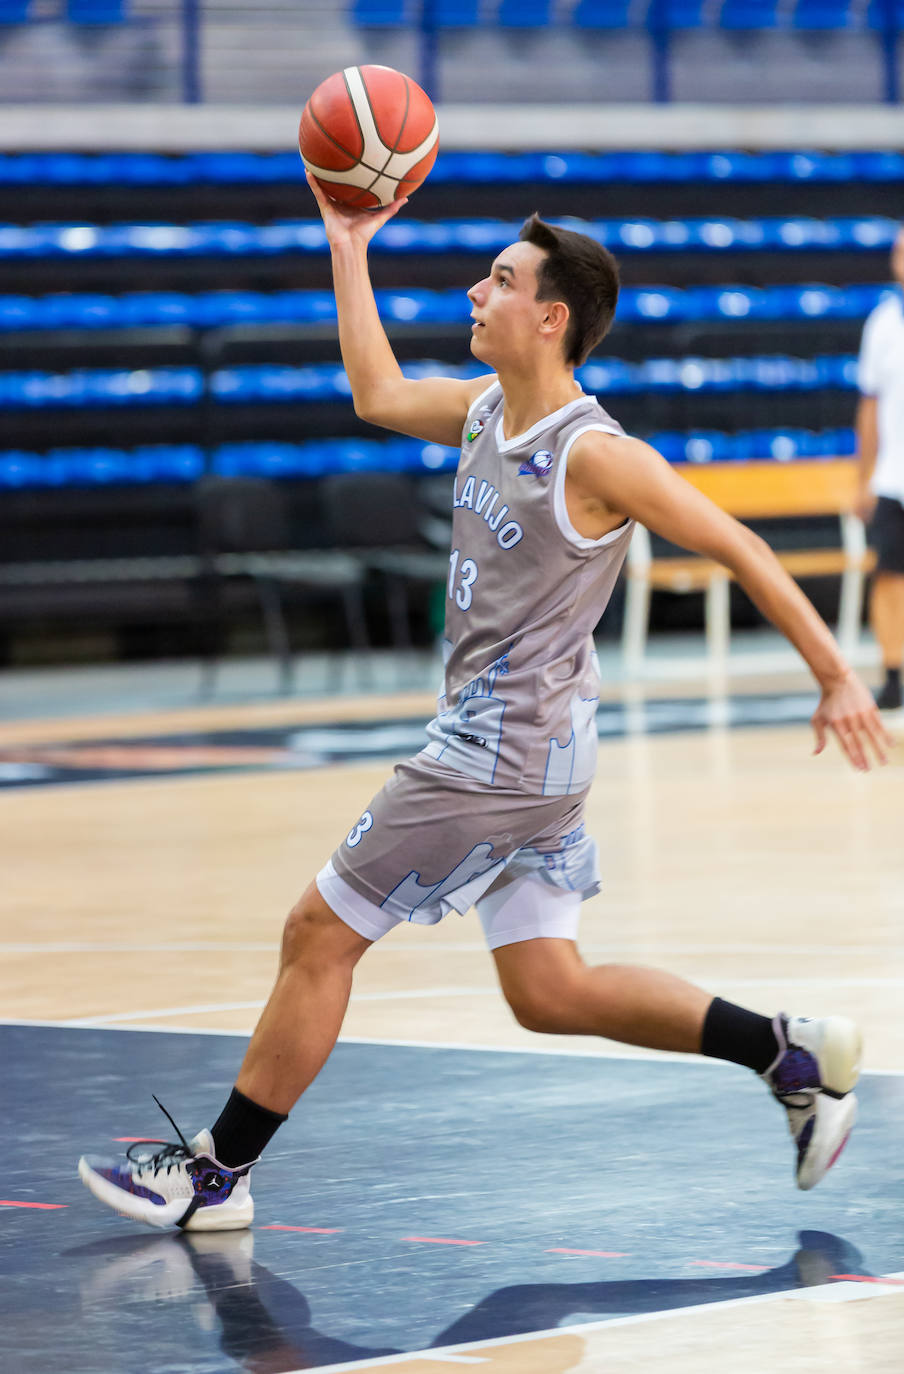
(888, 698)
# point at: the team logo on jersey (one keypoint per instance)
(538, 464)
(477, 427)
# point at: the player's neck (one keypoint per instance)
(531, 397)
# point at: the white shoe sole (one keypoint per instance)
(221, 1216)
(835, 1119)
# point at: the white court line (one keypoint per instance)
(819, 1292)
(205, 1008)
(638, 950)
(657, 1056)
(420, 994)
(123, 947)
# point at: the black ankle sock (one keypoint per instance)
(743, 1037)
(893, 677)
(243, 1130)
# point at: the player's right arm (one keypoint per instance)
(432, 408)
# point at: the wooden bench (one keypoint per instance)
(755, 491)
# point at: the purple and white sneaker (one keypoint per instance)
(812, 1076)
(173, 1185)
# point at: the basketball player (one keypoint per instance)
(490, 812)
(880, 445)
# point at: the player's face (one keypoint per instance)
(897, 258)
(505, 308)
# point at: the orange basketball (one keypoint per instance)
(369, 135)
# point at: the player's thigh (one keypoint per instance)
(432, 841)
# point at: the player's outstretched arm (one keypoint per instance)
(433, 408)
(628, 477)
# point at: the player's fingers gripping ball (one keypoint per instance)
(369, 135)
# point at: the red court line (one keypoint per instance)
(866, 1278)
(40, 1206)
(438, 1240)
(313, 1230)
(728, 1264)
(604, 1254)
(136, 1140)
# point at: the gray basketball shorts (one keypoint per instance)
(434, 840)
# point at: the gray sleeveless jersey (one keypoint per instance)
(525, 591)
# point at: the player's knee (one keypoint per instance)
(314, 935)
(533, 1009)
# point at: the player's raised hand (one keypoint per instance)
(346, 225)
(848, 710)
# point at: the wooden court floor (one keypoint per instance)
(732, 857)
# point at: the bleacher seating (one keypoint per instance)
(562, 167)
(472, 236)
(214, 309)
(270, 382)
(613, 14)
(152, 464)
(137, 355)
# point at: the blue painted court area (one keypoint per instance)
(418, 1197)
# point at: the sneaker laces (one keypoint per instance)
(169, 1156)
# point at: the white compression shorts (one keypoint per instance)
(517, 907)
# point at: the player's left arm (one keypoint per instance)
(626, 477)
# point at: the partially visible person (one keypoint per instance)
(880, 446)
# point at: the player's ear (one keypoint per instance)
(555, 317)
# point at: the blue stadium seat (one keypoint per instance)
(271, 382)
(170, 463)
(381, 14)
(456, 14)
(13, 11)
(749, 14)
(104, 387)
(881, 13)
(96, 11)
(212, 309)
(824, 14)
(602, 14)
(678, 14)
(233, 239)
(524, 14)
(573, 167)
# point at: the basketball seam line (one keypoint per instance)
(400, 180)
(377, 173)
(390, 151)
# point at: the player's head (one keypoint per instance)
(581, 273)
(553, 289)
(897, 257)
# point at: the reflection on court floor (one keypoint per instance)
(316, 746)
(419, 1199)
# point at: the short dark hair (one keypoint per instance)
(580, 272)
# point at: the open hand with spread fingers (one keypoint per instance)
(848, 709)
